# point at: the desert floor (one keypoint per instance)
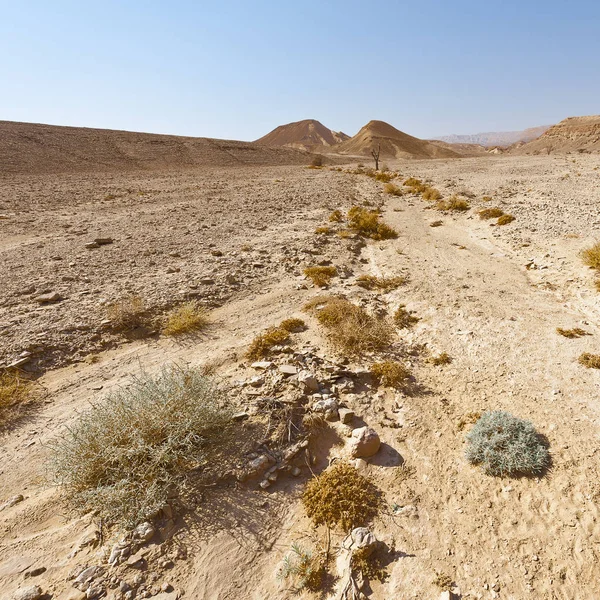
(237, 240)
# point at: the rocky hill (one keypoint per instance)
(393, 142)
(306, 135)
(41, 149)
(497, 138)
(575, 134)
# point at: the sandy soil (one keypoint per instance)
(490, 296)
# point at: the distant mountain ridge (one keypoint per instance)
(306, 135)
(498, 138)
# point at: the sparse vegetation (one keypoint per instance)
(336, 216)
(127, 313)
(506, 445)
(393, 189)
(261, 345)
(293, 325)
(351, 329)
(490, 213)
(387, 284)
(468, 419)
(443, 582)
(323, 230)
(505, 220)
(341, 497)
(391, 373)
(187, 318)
(384, 176)
(320, 276)
(304, 568)
(431, 194)
(369, 563)
(441, 359)
(14, 393)
(486, 199)
(124, 457)
(454, 203)
(571, 333)
(416, 185)
(591, 256)
(404, 319)
(591, 361)
(368, 223)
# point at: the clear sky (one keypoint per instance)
(237, 68)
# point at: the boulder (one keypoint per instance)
(311, 383)
(364, 443)
(32, 592)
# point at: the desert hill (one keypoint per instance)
(496, 138)
(307, 135)
(575, 134)
(39, 149)
(394, 143)
(462, 149)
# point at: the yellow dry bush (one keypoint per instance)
(391, 373)
(262, 344)
(368, 224)
(505, 220)
(393, 189)
(490, 213)
(320, 276)
(127, 313)
(14, 392)
(336, 216)
(387, 284)
(441, 359)
(293, 325)
(416, 185)
(571, 333)
(591, 256)
(453, 203)
(323, 230)
(431, 194)
(403, 319)
(385, 177)
(187, 318)
(591, 361)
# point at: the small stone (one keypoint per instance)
(264, 484)
(166, 596)
(311, 383)
(103, 241)
(262, 365)
(95, 591)
(288, 370)
(241, 416)
(207, 281)
(216, 253)
(49, 297)
(365, 442)
(296, 471)
(92, 245)
(12, 501)
(29, 593)
(346, 415)
(256, 381)
(87, 575)
(144, 531)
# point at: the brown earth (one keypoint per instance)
(575, 134)
(490, 296)
(307, 135)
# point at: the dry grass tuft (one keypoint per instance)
(391, 373)
(385, 177)
(591, 256)
(490, 213)
(443, 582)
(597, 285)
(320, 276)
(416, 185)
(367, 223)
(14, 392)
(125, 457)
(261, 345)
(336, 216)
(505, 220)
(431, 194)
(293, 325)
(127, 313)
(571, 333)
(441, 359)
(591, 361)
(341, 497)
(403, 319)
(436, 223)
(387, 284)
(351, 329)
(187, 318)
(323, 230)
(393, 189)
(453, 203)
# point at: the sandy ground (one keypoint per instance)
(490, 296)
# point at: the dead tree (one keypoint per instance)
(375, 156)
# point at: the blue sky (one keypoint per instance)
(236, 69)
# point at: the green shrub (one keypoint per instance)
(125, 456)
(305, 568)
(506, 445)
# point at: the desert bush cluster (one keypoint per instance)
(591, 361)
(368, 224)
(454, 203)
(591, 256)
(187, 318)
(261, 345)
(391, 373)
(386, 284)
(320, 276)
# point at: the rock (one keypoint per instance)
(166, 596)
(49, 297)
(136, 561)
(256, 381)
(29, 593)
(103, 241)
(296, 471)
(288, 370)
(207, 281)
(363, 539)
(346, 415)
(95, 591)
(311, 383)
(329, 408)
(19, 363)
(258, 465)
(144, 531)
(11, 502)
(364, 443)
(92, 245)
(86, 576)
(262, 365)
(264, 484)
(241, 416)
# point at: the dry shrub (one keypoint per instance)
(372, 565)
(571, 333)
(416, 185)
(316, 161)
(315, 422)
(591, 256)
(443, 582)
(124, 457)
(597, 285)
(453, 203)
(487, 199)
(441, 359)
(345, 234)
(306, 569)
(352, 329)
(431, 194)
(14, 392)
(261, 345)
(323, 230)
(187, 318)
(391, 373)
(506, 445)
(394, 190)
(403, 319)
(127, 313)
(387, 284)
(367, 223)
(591, 361)
(490, 213)
(505, 220)
(384, 177)
(293, 325)
(341, 497)
(468, 419)
(320, 276)
(336, 216)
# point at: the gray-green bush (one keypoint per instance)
(506, 445)
(125, 456)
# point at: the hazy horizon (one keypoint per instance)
(237, 71)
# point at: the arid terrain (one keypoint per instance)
(236, 238)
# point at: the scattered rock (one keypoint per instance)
(144, 531)
(311, 383)
(346, 415)
(364, 443)
(49, 297)
(11, 502)
(103, 241)
(288, 370)
(262, 365)
(33, 592)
